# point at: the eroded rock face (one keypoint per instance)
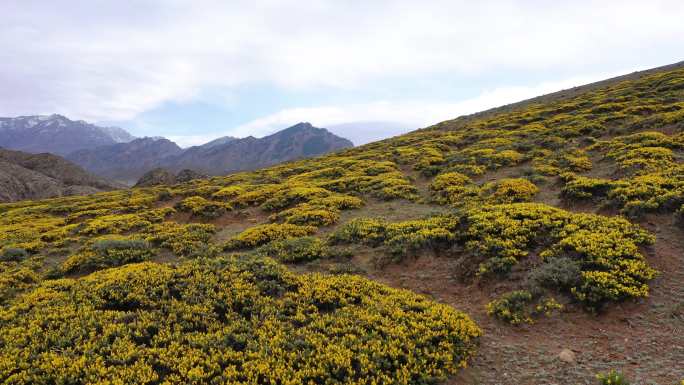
(156, 177)
(187, 175)
(38, 176)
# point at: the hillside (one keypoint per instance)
(127, 162)
(474, 251)
(56, 134)
(38, 176)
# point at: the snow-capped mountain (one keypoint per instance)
(56, 134)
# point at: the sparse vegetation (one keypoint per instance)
(612, 378)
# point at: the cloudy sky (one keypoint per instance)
(195, 70)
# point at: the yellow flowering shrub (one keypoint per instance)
(16, 277)
(306, 214)
(453, 188)
(201, 207)
(510, 190)
(259, 235)
(229, 192)
(659, 191)
(229, 321)
(114, 224)
(293, 195)
(399, 238)
(497, 237)
(108, 252)
(295, 250)
(184, 240)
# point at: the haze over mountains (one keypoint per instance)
(113, 153)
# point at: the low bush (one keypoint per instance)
(201, 207)
(580, 187)
(15, 278)
(108, 253)
(495, 238)
(13, 254)
(295, 250)
(612, 378)
(184, 240)
(560, 273)
(509, 190)
(262, 234)
(521, 306)
(229, 321)
(453, 187)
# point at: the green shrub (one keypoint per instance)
(13, 254)
(164, 195)
(581, 187)
(295, 250)
(108, 253)
(561, 273)
(511, 307)
(612, 378)
(201, 207)
(680, 216)
(519, 306)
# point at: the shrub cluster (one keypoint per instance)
(229, 321)
(496, 238)
(201, 207)
(295, 250)
(519, 306)
(108, 252)
(262, 234)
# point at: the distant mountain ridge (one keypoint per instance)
(113, 153)
(299, 141)
(56, 134)
(127, 162)
(38, 176)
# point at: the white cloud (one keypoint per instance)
(108, 60)
(376, 120)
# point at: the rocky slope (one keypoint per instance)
(37, 176)
(56, 134)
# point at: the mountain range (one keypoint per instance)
(113, 153)
(56, 134)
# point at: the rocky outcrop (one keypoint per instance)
(156, 177)
(37, 176)
(161, 176)
(186, 175)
